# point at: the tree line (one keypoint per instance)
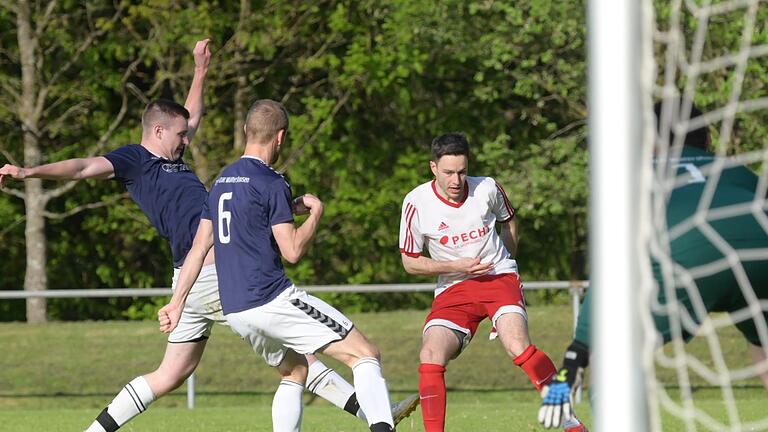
(368, 84)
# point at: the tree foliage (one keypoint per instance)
(368, 85)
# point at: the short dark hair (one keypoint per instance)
(161, 110)
(265, 118)
(454, 143)
(694, 138)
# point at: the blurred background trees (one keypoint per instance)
(368, 84)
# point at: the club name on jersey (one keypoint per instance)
(465, 237)
(175, 167)
(233, 180)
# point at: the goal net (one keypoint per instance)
(706, 293)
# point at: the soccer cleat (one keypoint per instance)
(404, 408)
(578, 428)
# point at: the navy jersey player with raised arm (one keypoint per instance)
(154, 183)
(171, 196)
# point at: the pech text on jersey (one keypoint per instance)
(465, 237)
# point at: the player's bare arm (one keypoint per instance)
(169, 315)
(194, 103)
(294, 242)
(71, 169)
(422, 265)
(508, 233)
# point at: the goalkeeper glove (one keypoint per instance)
(556, 408)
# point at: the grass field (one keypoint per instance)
(57, 377)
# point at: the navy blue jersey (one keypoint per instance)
(168, 192)
(244, 203)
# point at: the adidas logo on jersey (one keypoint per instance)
(442, 226)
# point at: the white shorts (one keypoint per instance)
(202, 309)
(293, 320)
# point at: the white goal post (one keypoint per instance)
(615, 114)
(678, 213)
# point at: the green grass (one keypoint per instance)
(59, 376)
(468, 411)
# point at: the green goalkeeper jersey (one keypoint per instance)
(726, 213)
(708, 217)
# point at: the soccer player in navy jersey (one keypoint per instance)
(249, 218)
(172, 196)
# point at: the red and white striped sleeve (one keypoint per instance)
(411, 240)
(500, 205)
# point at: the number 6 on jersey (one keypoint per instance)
(225, 218)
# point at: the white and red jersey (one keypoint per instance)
(450, 231)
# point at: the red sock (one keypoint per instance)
(537, 365)
(432, 394)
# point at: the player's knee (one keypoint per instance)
(515, 347)
(358, 346)
(177, 373)
(515, 343)
(293, 367)
(369, 350)
(165, 381)
(429, 354)
(297, 374)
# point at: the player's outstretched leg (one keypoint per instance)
(371, 388)
(179, 362)
(287, 406)
(132, 400)
(556, 411)
(329, 385)
(513, 333)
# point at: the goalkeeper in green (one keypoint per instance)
(692, 245)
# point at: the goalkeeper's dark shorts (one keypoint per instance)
(720, 292)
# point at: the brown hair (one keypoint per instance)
(265, 118)
(454, 143)
(160, 111)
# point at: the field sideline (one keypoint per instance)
(59, 376)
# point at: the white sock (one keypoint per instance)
(372, 393)
(287, 407)
(329, 385)
(132, 400)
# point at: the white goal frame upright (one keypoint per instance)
(616, 100)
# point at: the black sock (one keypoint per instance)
(352, 406)
(107, 422)
(381, 427)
